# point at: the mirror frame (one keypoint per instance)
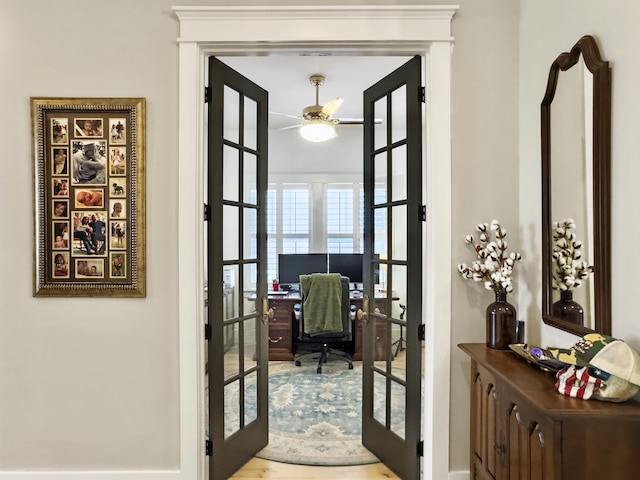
(601, 277)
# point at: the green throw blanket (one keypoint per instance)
(322, 304)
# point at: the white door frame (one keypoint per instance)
(358, 30)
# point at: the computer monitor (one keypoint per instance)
(348, 265)
(292, 265)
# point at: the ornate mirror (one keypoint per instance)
(576, 141)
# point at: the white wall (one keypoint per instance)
(88, 383)
(93, 383)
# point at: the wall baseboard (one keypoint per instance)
(460, 475)
(93, 475)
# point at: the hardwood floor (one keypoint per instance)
(258, 468)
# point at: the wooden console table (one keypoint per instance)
(522, 428)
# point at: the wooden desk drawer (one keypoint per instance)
(279, 343)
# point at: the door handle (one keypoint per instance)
(363, 314)
(267, 313)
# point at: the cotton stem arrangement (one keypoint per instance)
(494, 266)
(568, 269)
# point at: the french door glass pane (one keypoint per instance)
(380, 231)
(379, 398)
(232, 293)
(231, 408)
(399, 174)
(398, 400)
(232, 355)
(250, 177)
(249, 343)
(251, 240)
(399, 111)
(380, 112)
(231, 219)
(251, 398)
(380, 172)
(399, 232)
(230, 174)
(250, 123)
(250, 271)
(231, 118)
(398, 292)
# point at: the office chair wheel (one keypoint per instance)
(298, 363)
(351, 366)
(319, 370)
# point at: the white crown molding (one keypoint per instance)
(238, 23)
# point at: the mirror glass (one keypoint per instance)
(576, 118)
(572, 186)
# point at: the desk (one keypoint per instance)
(281, 329)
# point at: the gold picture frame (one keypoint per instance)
(89, 197)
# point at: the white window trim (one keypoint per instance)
(423, 30)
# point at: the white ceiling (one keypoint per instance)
(286, 78)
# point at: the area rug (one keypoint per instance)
(316, 419)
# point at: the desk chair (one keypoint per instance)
(324, 323)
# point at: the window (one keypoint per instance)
(340, 214)
(316, 217)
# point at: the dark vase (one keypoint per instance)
(567, 309)
(501, 323)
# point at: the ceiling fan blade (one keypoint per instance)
(286, 115)
(332, 106)
(355, 121)
(289, 127)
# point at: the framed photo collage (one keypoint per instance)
(89, 197)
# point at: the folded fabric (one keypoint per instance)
(322, 303)
(608, 359)
(577, 382)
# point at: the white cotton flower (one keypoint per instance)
(495, 265)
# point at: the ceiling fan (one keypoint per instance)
(318, 121)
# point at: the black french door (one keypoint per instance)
(236, 269)
(393, 223)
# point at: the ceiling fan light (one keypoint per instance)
(318, 131)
